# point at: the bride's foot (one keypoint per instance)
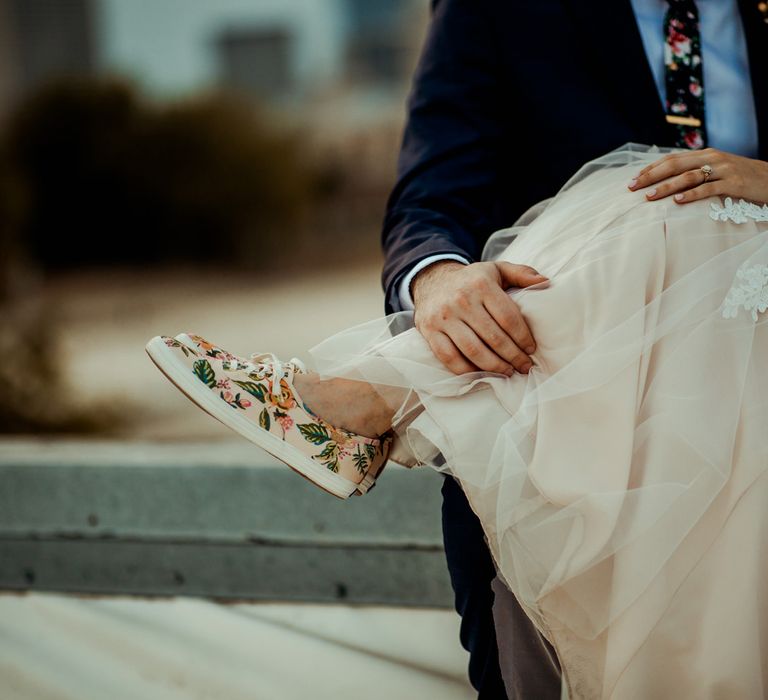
(352, 405)
(328, 431)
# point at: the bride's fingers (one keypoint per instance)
(687, 181)
(682, 160)
(674, 164)
(671, 161)
(701, 192)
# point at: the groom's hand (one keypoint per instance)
(468, 319)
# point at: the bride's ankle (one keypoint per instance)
(345, 403)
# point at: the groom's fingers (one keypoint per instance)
(508, 315)
(446, 351)
(514, 275)
(468, 319)
(476, 342)
(502, 341)
(471, 345)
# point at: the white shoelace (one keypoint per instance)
(266, 363)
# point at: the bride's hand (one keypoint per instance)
(681, 175)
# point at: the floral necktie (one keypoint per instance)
(684, 77)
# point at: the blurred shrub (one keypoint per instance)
(91, 174)
(100, 176)
(34, 396)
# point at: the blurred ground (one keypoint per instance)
(104, 318)
(65, 647)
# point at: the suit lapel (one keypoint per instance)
(756, 32)
(612, 39)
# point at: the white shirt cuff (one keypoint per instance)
(404, 290)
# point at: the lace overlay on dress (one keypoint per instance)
(749, 291)
(738, 212)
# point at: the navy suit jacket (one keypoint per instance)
(509, 99)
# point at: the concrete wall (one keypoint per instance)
(218, 520)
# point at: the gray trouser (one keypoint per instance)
(529, 664)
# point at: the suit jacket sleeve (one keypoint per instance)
(445, 199)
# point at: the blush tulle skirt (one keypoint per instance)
(623, 483)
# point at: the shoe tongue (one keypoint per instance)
(297, 366)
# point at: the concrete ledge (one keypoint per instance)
(220, 520)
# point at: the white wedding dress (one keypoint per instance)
(623, 484)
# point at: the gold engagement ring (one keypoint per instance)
(707, 170)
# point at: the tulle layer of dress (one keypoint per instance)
(622, 483)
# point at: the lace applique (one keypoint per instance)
(738, 212)
(749, 291)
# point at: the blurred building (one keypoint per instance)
(379, 45)
(42, 39)
(337, 70)
(290, 50)
(258, 61)
(275, 50)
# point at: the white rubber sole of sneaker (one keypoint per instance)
(179, 374)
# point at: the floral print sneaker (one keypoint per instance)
(204, 347)
(257, 399)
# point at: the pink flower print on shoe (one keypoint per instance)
(202, 346)
(257, 399)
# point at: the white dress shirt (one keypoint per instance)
(729, 107)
